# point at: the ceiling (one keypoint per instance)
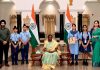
(26, 4)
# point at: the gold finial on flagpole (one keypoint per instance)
(70, 2)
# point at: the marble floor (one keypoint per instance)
(38, 67)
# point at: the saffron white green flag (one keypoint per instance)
(67, 25)
(34, 41)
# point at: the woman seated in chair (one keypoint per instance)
(50, 54)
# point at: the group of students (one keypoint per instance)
(24, 38)
(81, 44)
(77, 42)
(84, 42)
(14, 38)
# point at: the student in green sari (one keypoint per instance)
(51, 54)
(96, 45)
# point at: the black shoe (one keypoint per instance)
(22, 63)
(0, 66)
(72, 63)
(16, 63)
(76, 63)
(13, 64)
(7, 65)
(27, 62)
(83, 62)
(86, 63)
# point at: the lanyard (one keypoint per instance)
(15, 37)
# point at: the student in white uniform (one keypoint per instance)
(25, 38)
(14, 45)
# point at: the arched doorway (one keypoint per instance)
(49, 15)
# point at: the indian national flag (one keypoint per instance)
(34, 41)
(67, 26)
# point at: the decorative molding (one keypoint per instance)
(8, 2)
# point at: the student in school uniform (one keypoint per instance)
(73, 38)
(14, 45)
(85, 46)
(25, 38)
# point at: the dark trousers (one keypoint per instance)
(24, 52)
(76, 57)
(4, 48)
(14, 53)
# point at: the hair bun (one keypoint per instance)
(15, 27)
(24, 24)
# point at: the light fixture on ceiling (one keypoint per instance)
(6, 0)
(49, 0)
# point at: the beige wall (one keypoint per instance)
(24, 5)
(93, 9)
(27, 4)
(78, 6)
(6, 9)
